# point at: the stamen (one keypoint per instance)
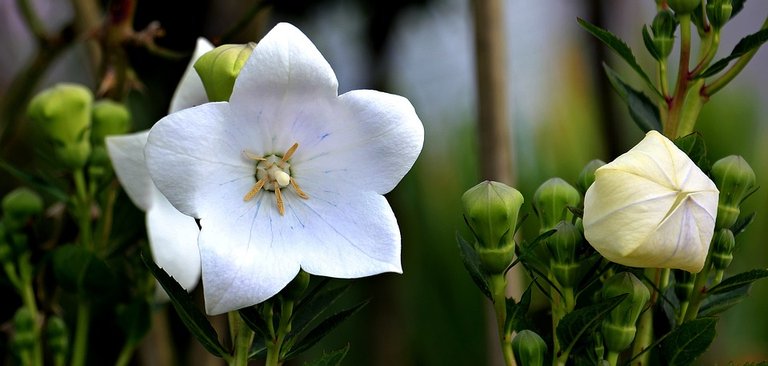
(279, 197)
(256, 188)
(288, 154)
(298, 190)
(252, 156)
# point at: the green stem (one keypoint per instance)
(498, 284)
(242, 339)
(739, 65)
(663, 83)
(670, 129)
(27, 293)
(612, 358)
(699, 292)
(274, 346)
(712, 48)
(644, 334)
(33, 22)
(83, 209)
(125, 355)
(80, 346)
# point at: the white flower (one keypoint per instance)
(287, 174)
(172, 235)
(651, 207)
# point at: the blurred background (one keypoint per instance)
(562, 113)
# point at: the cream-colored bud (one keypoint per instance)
(652, 207)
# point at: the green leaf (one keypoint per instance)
(694, 146)
(641, 108)
(77, 269)
(648, 41)
(322, 329)
(517, 312)
(737, 6)
(684, 344)
(312, 306)
(621, 48)
(135, 320)
(740, 280)
(254, 321)
(719, 303)
(472, 264)
(332, 358)
(190, 315)
(741, 224)
(258, 348)
(584, 321)
(745, 45)
(40, 184)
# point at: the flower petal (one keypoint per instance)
(374, 140)
(127, 155)
(173, 239)
(195, 155)
(190, 91)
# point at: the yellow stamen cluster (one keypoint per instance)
(272, 174)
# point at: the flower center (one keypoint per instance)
(273, 172)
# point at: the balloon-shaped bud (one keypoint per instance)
(109, 118)
(722, 249)
(562, 246)
(551, 201)
(618, 326)
(58, 336)
(735, 179)
(219, 68)
(529, 349)
(587, 175)
(19, 205)
(652, 207)
(24, 324)
(683, 284)
(63, 113)
(663, 28)
(491, 210)
(683, 6)
(719, 12)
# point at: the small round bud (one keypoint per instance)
(491, 210)
(562, 246)
(297, 286)
(219, 68)
(618, 327)
(63, 113)
(109, 118)
(529, 349)
(663, 29)
(24, 321)
(734, 178)
(587, 175)
(719, 12)
(722, 249)
(551, 201)
(683, 6)
(19, 205)
(57, 335)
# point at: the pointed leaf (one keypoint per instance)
(517, 312)
(641, 108)
(584, 321)
(621, 48)
(648, 41)
(254, 321)
(737, 6)
(719, 303)
(740, 280)
(193, 319)
(332, 358)
(688, 341)
(472, 264)
(258, 348)
(38, 183)
(314, 305)
(78, 269)
(325, 327)
(694, 146)
(745, 45)
(741, 224)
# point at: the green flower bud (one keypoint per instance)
(618, 327)
(551, 201)
(19, 205)
(57, 335)
(663, 29)
(719, 12)
(562, 246)
(109, 118)
(734, 178)
(587, 175)
(219, 67)
(63, 113)
(491, 210)
(297, 286)
(683, 284)
(529, 349)
(722, 249)
(683, 6)
(24, 321)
